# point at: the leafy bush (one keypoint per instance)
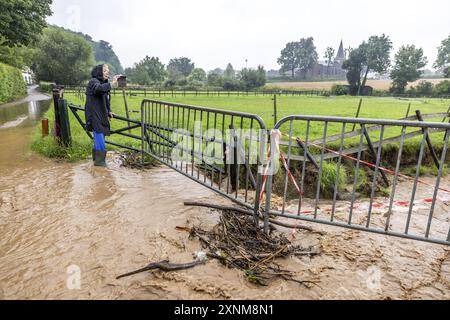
(252, 79)
(381, 93)
(214, 80)
(182, 82)
(411, 92)
(338, 90)
(169, 83)
(442, 88)
(12, 85)
(424, 88)
(46, 86)
(231, 85)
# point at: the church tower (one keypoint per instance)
(340, 57)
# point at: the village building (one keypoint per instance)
(321, 70)
(28, 76)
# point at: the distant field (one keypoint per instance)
(326, 85)
(372, 107)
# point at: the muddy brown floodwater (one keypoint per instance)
(57, 219)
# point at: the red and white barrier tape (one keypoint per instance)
(379, 167)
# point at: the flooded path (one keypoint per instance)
(59, 220)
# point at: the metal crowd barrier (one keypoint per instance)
(384, 209)
(222, 150)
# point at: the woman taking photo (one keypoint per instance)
(98, 111)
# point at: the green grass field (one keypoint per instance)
(378, 108)
(372, 107)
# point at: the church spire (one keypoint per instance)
(340, 57)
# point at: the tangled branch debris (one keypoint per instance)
(237, 243)
(250, 213)
(132, 160)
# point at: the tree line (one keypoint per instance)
(182, 72)
(54, 54)
(66, 57)
(373, 55)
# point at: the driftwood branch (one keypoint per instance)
(163, 266)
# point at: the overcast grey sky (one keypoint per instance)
(215, 32)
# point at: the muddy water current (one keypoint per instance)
(67, 230)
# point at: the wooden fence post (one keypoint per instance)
(57, 95)
(275, 110)
(66, 137)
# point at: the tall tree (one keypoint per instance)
(197, 75)
(409, 61)
(147, 71)
(329, 55)
(355, 66)
(16, 56)
(103, 52)
(251, 78)
(137, 75)
(180, 66)
(214, 79)
(307, 55)
(63, 57)
(443, 58)
(229, 72)
(22, 21)
(300, 55)
(289, 59)
(218, 71)
(377, 51)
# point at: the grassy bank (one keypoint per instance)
(81, 147)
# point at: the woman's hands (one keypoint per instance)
(112, 115)
(115, 79)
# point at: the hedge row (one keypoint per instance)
(12, 85)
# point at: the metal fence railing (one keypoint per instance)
(126, 130)
(152, 92)
(390, 202)
(222, 150)
(164, 92)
